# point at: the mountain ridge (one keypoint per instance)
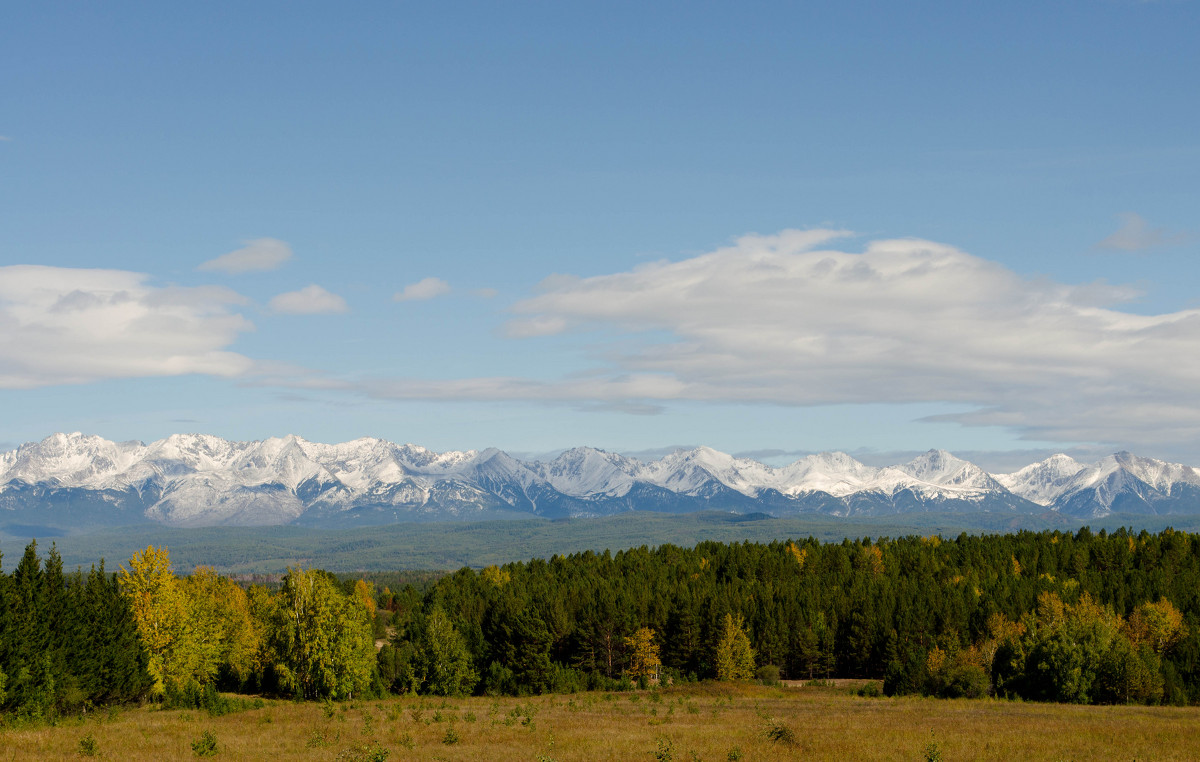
(203, 480)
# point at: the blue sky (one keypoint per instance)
(762, 227)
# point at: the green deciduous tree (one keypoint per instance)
(444, 658)
(322, 640)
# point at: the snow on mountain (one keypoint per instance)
(1128, 483)
(832, 473)
(69, 460)
(196, 480)
(587, 472)
(1160, 475)
(694, 472)
(939, 472)
(1043, 482)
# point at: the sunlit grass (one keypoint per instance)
(707, 722)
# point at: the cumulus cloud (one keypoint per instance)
(257, 255)
(774, 319)
(310, 300)
(1135, 234)
(69, 326)
(424, 289)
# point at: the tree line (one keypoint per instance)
(1080, 617)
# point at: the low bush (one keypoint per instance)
(767, 674)
(205, 745)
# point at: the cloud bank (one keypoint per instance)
(773, 319)
(1135, 234)
(71, 326)
(310, 300)
(424, 289)
(258, 255)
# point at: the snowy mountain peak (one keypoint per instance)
(199, 479)
(932, 465)
(1042, 482)
(940, 468)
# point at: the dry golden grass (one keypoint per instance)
(707, 722)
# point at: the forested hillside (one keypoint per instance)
(1078, 617)
(1058, 616)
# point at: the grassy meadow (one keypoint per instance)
(696, 722)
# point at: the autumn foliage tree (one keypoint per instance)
(160, 612)
(231, 638)
(735, 656)
(643, 654)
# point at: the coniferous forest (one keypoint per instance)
(1073, 617)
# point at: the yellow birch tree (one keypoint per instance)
(735, 657)
(643, 659)
(160, 612)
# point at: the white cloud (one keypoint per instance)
(770, 320)
(1135, 234)
(69, 326)
(427, 288)
(310, 300)
(5, 138)
(257, 255)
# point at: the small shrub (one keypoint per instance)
(933, 752)
(367, 752)
(777, 732)
(205, 745)
(735, 754)
(665, 751)
(451, 736)
(208, 698)
(767, 674)
(967, 681)
(870, 690)
(406, 740)
(317, 740)
(87, 746)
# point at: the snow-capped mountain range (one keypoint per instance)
(200, 480)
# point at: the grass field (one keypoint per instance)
(699, 722)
